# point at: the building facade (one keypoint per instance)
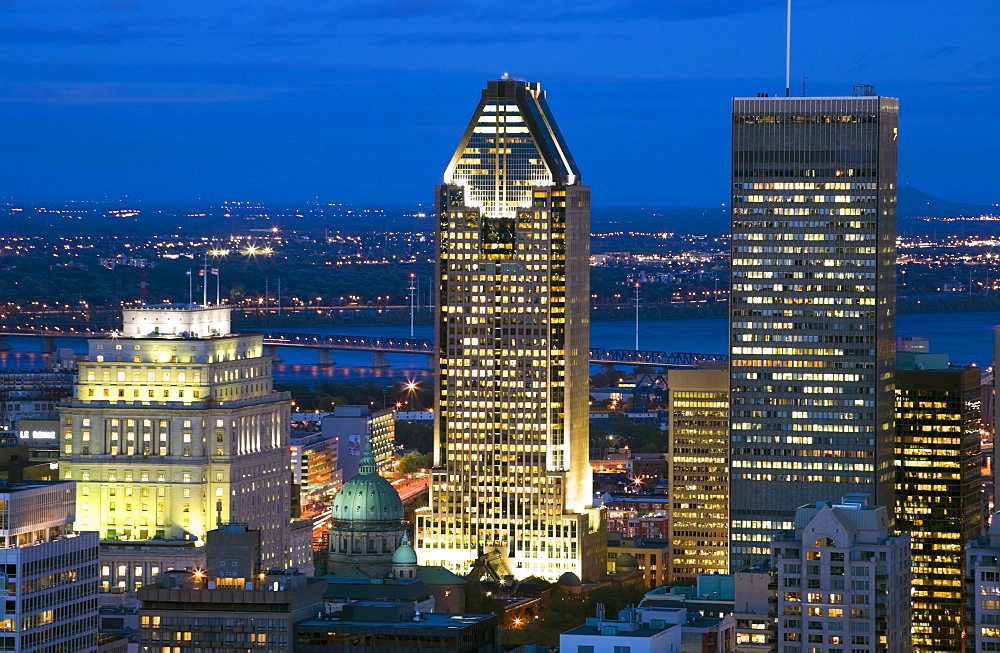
(843, 581)
(188, 611)
(812, 310)
(511, 446)
(698, 471)
(938, 488)
(982, 578)
(175, 428)
(49, 571)
(351, 427)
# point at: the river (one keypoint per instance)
(967, 337)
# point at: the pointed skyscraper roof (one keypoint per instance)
(511, 145)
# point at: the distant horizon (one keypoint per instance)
(137, 201)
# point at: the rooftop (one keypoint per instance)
(618, 629)
(419, 622)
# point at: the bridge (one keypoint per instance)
(379, 346)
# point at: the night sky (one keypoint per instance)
(364, 102)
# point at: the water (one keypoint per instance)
(967, 337)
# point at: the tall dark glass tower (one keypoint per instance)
(938, 487)
(512, 479)
(813, 305)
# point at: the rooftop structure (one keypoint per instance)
(381, 626)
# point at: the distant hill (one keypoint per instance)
(916, 204)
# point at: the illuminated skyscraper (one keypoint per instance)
(175, 428)
(812, 315)
(511, 476)
(938, 488)
(698, 470)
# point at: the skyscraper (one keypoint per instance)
(511, 476)
(174, 429)
(812, 313)
(698, 471)
(938, 488)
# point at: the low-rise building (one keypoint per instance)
(651, 555)
(232, 604)
(387, 627)
(661, 632)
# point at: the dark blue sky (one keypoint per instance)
(364, 101)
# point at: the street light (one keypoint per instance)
(411, 389)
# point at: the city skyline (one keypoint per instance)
(272, 104)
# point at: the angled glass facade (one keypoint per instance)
(511, 473)
(812, 314)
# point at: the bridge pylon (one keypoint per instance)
(272, 351)
(324, 357)
(379, 359)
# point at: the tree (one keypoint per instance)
(414, 462)
(599, 439)
(415, 435)
(477, 601)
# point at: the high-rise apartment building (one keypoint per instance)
(49, 571)
(843, 580)
(698, 471)
(175, 428)
(511, 432)
(812, 312)
(938, 488)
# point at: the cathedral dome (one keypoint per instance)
(367, 502)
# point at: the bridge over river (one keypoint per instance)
(379, 346)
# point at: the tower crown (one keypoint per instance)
(512, 144)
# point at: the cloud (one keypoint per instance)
(940, 51)
(396, 9)
(118, 5)
(121, 93)
(111, 33)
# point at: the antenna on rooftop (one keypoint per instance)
(788, 48)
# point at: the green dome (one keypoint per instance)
(404, 554)
(367, 501)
